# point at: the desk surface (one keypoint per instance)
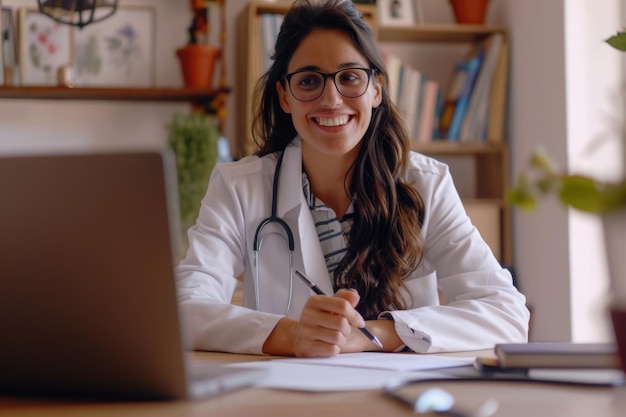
(515, 399)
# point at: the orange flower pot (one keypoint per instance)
(470, 11)
(197, 63)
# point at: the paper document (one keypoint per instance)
(387, 361)
(293, 376)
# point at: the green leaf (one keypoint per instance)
(542, 161)
(193, 138)
(522, 195)
(581, 193)
(618, 41)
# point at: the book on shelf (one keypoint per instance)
(469, 71)
(474, 127)
(410, 97)
(268, 38)
(557, 355)
(495, 125)
(270, 26)
(428, 112)
(459, 93)
(394, 65)
(417, 98)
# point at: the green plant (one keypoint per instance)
(578, 191)
(193, 138)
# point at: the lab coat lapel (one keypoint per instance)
(290, 197)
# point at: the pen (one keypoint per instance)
(318, 291)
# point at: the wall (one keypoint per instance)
(29, 125)
(563, 83)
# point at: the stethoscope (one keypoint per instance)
(258, 240)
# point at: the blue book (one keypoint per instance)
(469, 70)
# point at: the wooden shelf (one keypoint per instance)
(444, 33)
(444, 147)
(203, 96)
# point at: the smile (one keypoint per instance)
(333, 121)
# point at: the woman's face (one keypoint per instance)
(331, 125)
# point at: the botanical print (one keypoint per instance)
(396, 12)
(118, 51)
(45, 47)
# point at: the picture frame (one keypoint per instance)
(44, 47)
(8, 47)
(396, 12)
(117, 52)
(2, 70)
(419, 12)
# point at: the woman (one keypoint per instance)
(380, 228)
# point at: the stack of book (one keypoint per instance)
(417, 97)
(462, 112)
(466, 110)
(561, 362)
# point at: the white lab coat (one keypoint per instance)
(482, 307)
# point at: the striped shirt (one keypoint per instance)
(332, 232)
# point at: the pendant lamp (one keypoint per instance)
(78, 12)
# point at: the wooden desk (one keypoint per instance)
(515, 400)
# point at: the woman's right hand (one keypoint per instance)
(324, 329)
(326, 324)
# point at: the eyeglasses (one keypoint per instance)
(307, 85)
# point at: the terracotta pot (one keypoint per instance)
(470, 11)
(197, 63)
(614, 225)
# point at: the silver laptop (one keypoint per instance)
(87, 292)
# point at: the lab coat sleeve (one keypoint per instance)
(481, 305)
(207, 277)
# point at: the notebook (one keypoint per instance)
(88, 297)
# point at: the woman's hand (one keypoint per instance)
(325, 328)
(325, 324)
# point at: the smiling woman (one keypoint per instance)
(335, 192)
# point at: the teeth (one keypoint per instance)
(333, 121)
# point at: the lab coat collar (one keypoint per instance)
(290, 181)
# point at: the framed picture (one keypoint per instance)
(118, 51)
(44, 47)
(1, 49)
(8, 46)
(396, 12)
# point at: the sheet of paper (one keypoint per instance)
(387, 361)
(288, 375)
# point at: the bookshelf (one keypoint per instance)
(200, 97)
(487, 160)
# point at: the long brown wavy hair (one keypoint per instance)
(385, 243)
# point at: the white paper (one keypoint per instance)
(388, 361)
(288, 375)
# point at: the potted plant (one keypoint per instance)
(470, 11)
(588, 194)
(198, 57)
(193, 138)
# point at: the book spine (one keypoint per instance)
(428, 111)
(495, 126)
(471, 69)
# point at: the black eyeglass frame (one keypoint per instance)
(325, 76)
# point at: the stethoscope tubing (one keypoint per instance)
(258, 240)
